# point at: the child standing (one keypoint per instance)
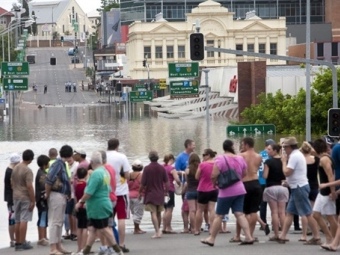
(81, 213)
(41, 202)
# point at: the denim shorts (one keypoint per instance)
(298, 203)
(191, 195)
(225, 203)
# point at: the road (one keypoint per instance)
(184, 244)
(55, 76)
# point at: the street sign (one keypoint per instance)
(15, 68)
(256, 129)
(182, 70)
(162, 83)
(15, 83)
(184, 89)
(140, 96)
(2, 100)
(139, 87)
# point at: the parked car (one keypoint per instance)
(70, 52)
(75, 59)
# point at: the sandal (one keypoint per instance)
(124, 249)
(273, 238)
(207, 243)
(313, 241)
(233, 240)
(246, 242)
(327, 247)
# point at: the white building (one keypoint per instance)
(56, 17)
(163, 42)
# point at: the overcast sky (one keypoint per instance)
(86, 5)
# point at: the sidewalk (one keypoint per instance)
(188, 244)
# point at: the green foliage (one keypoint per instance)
(288, 113)
(4, 48)
(107, 5)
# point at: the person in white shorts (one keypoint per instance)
(325, 201)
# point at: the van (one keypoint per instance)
(70, 52)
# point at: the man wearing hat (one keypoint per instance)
(295, 171)
(80, 156)
(14, 159)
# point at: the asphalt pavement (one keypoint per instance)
(55, 76)
(187, 244)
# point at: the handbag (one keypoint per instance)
(227, 178)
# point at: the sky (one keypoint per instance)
(86, 5)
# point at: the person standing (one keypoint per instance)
(121, 165)
(155, 186)
(296, 175)
(136, 204)
(24, 200)
(45, 89)
(58, 190)
(43, 163)
(98, 205)
(14, 159)
(230, 197)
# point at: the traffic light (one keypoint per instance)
(62, 38)
(333, 126)
(197, 46)
(144, 63)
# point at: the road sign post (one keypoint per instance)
(14, 68)
(256, 129)
(140, 96)
(183, 70)
(11, 84)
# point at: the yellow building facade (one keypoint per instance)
(161, 42)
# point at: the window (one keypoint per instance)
(262, 48)
(320, 50)
(210, 54)
(170, 51)
(239, 47)
(335, 49)
(147, 52)
(159, 52)
(181, 51)
(273, 48)
(250, 47)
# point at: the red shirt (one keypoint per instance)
(79, 189)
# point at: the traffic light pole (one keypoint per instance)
(207, 114)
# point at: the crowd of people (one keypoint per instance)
(294, 181)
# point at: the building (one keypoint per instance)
(162, 42)
(56, 18)
(5, 18)
(322, 11)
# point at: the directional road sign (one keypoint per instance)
(182, 70)
(15, 68)
(140, 96)
(184, 89)
(256, 129)
(139, 87)
(15, 83)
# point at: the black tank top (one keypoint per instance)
(312, 174)
(324, 179)
(275, 173)
(192, 183)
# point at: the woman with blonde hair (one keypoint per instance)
(206, 191)
(191, 189)
(169, 160)
(312, 176)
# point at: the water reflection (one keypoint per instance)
(89, 128)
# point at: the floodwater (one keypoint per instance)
(89, 128)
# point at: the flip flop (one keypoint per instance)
(197, 234)
(302, 240)
(207, 243)
(327, 248)
(233, 240)
(246, 243)
(273, 238)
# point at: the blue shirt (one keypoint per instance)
(265, 156)
(182, 161)
(336, 160)
(58, 170)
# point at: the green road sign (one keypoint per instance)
(184, 89)
(15, 68)
(15, 83)
(140, 96)
(182, 70)
(256, 129)
(139, 87)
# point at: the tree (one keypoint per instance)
(288, 113)
(34, 25)
(26, 14)
(107, 5)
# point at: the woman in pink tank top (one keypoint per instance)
(207, 192)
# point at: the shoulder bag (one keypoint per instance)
(228, 177)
